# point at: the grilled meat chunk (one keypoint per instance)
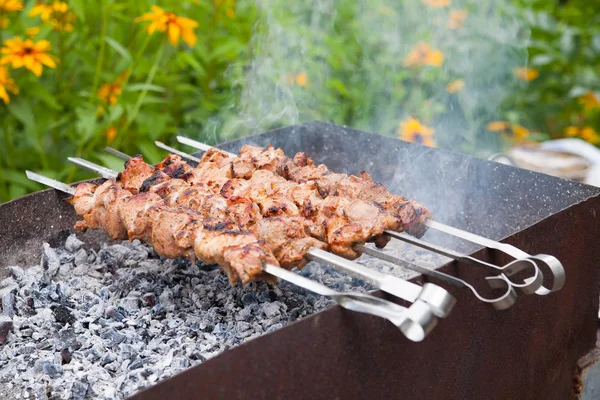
(172, 231)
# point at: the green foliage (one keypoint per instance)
(258, 65)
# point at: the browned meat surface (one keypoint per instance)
(173, 231)
(136, 171)
(104, 213)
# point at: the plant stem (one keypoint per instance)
(142, 96)
(102, 49)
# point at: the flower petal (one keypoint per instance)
(189, 37)
(42, 45)
(174, 32)
(46, 60)
(4, 95)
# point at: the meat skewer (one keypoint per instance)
(415, 322)
(303, 168)
(440, 301)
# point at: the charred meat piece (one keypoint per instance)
(172, 231)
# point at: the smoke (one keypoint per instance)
(344, 62)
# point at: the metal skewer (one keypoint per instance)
(533, 284)
(415, 322)
(438, 299)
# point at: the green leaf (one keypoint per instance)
(40, 91)
(138, 87)
(79, 7)
(189, 59)
(118, 48)
(20, 178)
(86, 122)
(152, 154)
(116, 112)
(110, 161)
(22, 111)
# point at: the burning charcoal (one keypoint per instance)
(271, 310)
(6, 326)
(131, 305)
(66, 356)
(16, 272)
(112, 335)
(249, 299)
(72, 244)
(65, 339)
(8, 304)
(52, 370)
(108, 358)
(113, 313)
(149, 299)
(273, 328)
(50, 260)
(79, 390)
(166, 300)
(137, 364)
(81, 258)
(63, 315)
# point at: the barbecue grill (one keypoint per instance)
(527, 351)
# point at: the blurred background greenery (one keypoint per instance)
(467, 75)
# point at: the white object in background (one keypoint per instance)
(581, 148)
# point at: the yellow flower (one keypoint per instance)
(498, 126)
(589, 135)
(436, 3)
(110, 92)
(11, 5)
(423, 54)
(175, 26)
(526, 74)
(41, 9)
(33, 31)
(28, 54)
(301, 79)
(455, 86)
(589, 100)
(572, 131)
(110, 133)
(57, 15)
(520, 133)
(6, 83)
(413, 131)
(457, 17)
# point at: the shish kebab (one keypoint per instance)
(136, 171)
(302, 169)
(286, 235)
(175, 231)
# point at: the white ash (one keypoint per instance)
(86, 324)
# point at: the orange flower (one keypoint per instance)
(6, 84)
(589, 100)
(455, 86)
(520, 133)
(27, 54)
(589, 135)
(110, 92)
(498, 126)
(526, 74)
(57, 15)
(457, 18)
(301, 79)
(41, 9)
(110, 133)
(572, 131)
(175, 26)
(33, 31)
(413, 131)
(436, 3)
(423, 54)
(10, 5)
